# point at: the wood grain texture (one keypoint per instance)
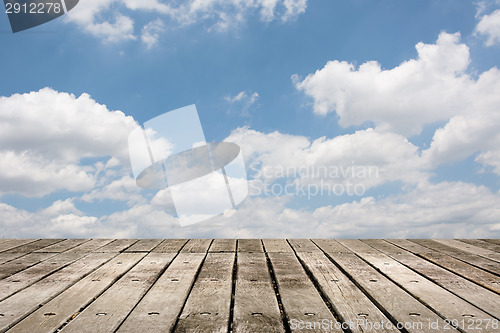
(276, 245)
(144, 245)
(396, 303)
(28, 300)
(33, 246)
(223, 245)
(159, 309)
(56, 312)
(108, 311)
(197, 246)
(473, 259)
(492, 255)
(117, 245)
(301, 301)
(170, 246)
(8, 244)
(483, 244)
(255, 303)
(441, 300)
(459, 267)
(250, 245)
(348, 300)
(65, 245)
(470, 291)
(249, 285)
(207, 308)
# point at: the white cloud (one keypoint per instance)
(473, 131)
(45, 135)
(431, 88)
(489, 26)
(92, 19)
(434, 87)
(105, 19)
(387, 156)
(151, 32)
(444, 210)
(122, 28)
(242, 101)
(122, 189)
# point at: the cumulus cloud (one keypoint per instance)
(431, 88)
(489, 26)
(106, 19)
(366, 157)
(434, 87)
(45, 136)
(444, 210)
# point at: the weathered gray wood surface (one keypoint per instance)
(207, 308)
(255, 305)
(470, 291)
(67, 305)
(249, 285)
(301, 301)
(441, 300)
(395, 302)
(107, 312)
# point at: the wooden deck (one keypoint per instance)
(249, 285)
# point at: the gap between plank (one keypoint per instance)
(370, 297)
(412, 295)
(192, 286)
(274, 282)
(97, 296)
(329, 305)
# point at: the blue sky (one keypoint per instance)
(275, 80)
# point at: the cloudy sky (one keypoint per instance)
(355, 118)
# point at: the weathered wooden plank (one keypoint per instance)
(160, 307)
(494, 241)
(22, 263)
(304, 245)
(301, 301)
(471, 249)
(483, 244)
(250, 245)
(107, 312)
(144, 245)
(56, 312)
(6, 257)
(478, 261)
(441, 300)
(276, 245)
(331, 246)
(30, 299)
(454, 265)
(33, 246)
(196, 246)
(118, 245)
(27, 277)
(353, 307)
(255, 304)
(207, 307)
(482, 298)
(170, 246)
(223, 245)
(9, 244)
(402, 308)
(62, 246)
(90, 246)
